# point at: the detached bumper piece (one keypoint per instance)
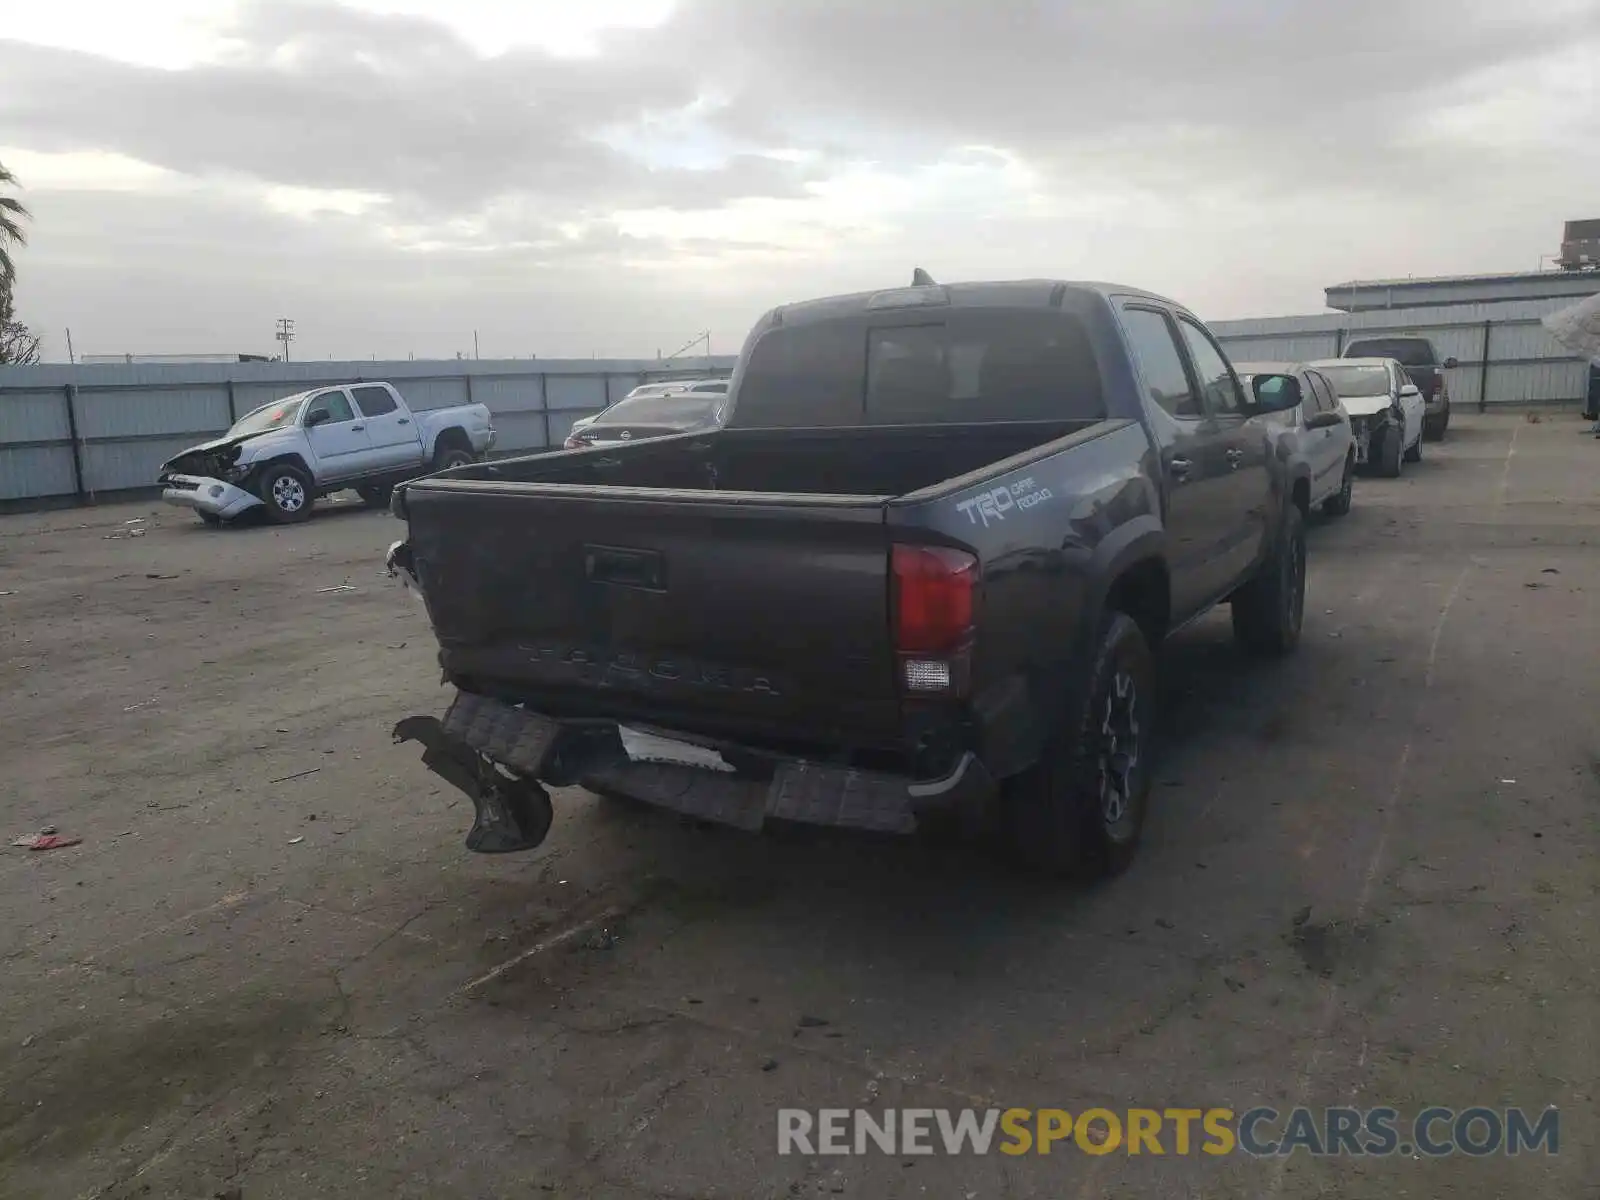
(479, 739)
(472, 748)
(214, 497)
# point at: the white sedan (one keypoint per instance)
(1386, 410)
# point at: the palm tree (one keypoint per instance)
(11, 215)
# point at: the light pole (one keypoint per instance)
(285, 334)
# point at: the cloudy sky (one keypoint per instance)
(615, 176)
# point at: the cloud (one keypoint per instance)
(313, 95)
(728, 154)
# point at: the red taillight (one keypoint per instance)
(933, 599)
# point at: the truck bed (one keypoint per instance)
(863, 461)
(734, 584)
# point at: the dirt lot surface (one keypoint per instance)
(271, 971)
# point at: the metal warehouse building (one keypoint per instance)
(1491, 324)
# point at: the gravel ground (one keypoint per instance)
(271, 970)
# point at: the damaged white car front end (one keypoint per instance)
(209, 497)
(211, 478)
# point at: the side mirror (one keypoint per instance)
(1411, 389)
(1324, 420)
(1275, 393)
(321, 417)
(1451, 362)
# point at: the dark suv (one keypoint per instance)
(1423, 365)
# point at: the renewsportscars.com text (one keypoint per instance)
(1435, 1131)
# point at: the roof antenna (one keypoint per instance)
(920, 278)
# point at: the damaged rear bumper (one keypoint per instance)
(211, 496)
(745, 789)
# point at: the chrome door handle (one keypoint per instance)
(1180, 468)
(357, 428)
(403, 421)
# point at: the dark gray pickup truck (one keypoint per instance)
(917, 579)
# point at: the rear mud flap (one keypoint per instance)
(511, 811)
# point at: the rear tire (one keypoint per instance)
(1079, 811)
(446, 457)
(285, 493)
(1339, 503)
(375, 495)
(210, 520)
(1268, 611)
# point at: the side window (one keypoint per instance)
(328, 409)
(1150, 337)
(1323, 393)
(373, 401)
(1217, 383)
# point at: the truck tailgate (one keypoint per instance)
(742, 614)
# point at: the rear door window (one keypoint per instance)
(373, 401)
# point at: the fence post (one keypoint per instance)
(71, 392)
(544, 406)
(1483, 370)
(1338, 342)
(233, 406)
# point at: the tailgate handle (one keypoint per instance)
(624, 567)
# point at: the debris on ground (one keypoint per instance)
(1550, 571)
(1301, 917)
(296, 775)
(141, 704)
(295, 841)
(1164, 923)
(13, 594)
(155, 575)
(770, 1065)
(810, 1022)
(47, 840)
(343, 587)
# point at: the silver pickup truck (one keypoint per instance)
(284, 455)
